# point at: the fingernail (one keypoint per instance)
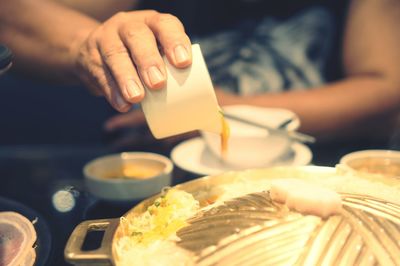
(120, 101)
(155, 75)
(181, 55)
(132, 89)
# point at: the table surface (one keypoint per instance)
(35, 175)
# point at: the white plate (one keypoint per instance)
(246, 141)
(193, 156)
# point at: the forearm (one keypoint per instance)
(343, 106)
(100, 9)
(43, 35)
(370, 92)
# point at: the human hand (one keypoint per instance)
(120, 53)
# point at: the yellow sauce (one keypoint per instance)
(132, 170)
(225, 132)
(383, 166)
(139, 171)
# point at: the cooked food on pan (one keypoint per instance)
(154, 231)
(305, 197)
(283, 222)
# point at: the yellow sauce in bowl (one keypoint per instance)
(138, 169)
(382, 166)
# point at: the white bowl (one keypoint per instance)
(249, 146)
(377, 165)
(97, 176)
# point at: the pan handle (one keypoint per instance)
(73, 252)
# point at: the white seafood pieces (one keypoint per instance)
(305, 197)
(17, 236)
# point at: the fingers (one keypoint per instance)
(170, 32)
(111, 91)
(99, 79)
(117, 59)
(142, 45)
(122, 54)
(131, 119)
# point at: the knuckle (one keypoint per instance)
(165, 17)
(82, 54)
(88, 61)
(169, 21)
(121, 15)
(94, 56)
(151, 16)
(151, 12)
(97, 33)
(92, 44)
(145, 58)
(134, 30)
(114, 50)
(91, 41)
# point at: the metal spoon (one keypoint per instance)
(280, 130)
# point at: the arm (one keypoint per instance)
(371, 88)
(44, 36)
(100, 9)
(56, 42)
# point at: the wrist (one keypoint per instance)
(77, 42)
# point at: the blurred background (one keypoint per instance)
(38, 112)
(49, 131)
